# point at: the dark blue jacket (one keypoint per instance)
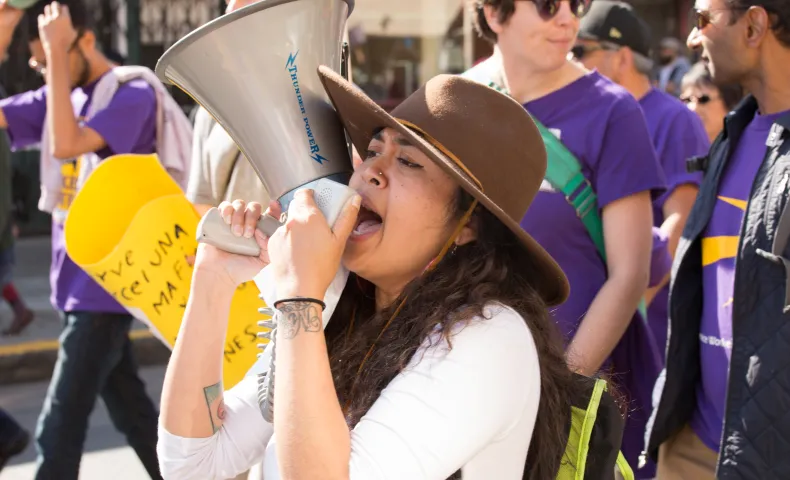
(756, 439)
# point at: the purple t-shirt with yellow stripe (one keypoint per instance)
(719, 249)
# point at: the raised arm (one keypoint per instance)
(67, 137)
(9, 19)
(193, 411)
(192, 396)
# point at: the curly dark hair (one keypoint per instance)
(504, 9)
(778, 12)
(494, 268)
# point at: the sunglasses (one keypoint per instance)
(701, 100)
(547, 9)
(700, 19)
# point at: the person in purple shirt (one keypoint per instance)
(724, 402)
(95, 355)
(615, 41)
(604, 127)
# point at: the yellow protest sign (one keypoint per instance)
(131, 227)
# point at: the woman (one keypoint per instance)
(604, 128)
(710, 102)
(439, 355)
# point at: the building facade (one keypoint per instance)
(395, 47)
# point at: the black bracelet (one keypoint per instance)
(301, 299)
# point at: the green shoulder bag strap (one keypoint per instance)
(564, 172)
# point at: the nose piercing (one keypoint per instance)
(381, 173)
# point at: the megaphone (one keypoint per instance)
(255, 71)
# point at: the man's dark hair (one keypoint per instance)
(504, 9)
(79, 16)
(778, 14)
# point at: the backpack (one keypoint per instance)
(595, 431)
(594, 437)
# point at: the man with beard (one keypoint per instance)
(723, 408)
(77, 125)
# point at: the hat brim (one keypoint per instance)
(361, 116)
(588, 36)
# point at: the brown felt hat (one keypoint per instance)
(483, 139)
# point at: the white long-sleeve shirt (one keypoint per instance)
(472, 407)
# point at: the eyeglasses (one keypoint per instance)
(581, 51)
(548, 9)
(701, 100)
(700, 19)
(41, 68)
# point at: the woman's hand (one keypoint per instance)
(306, 252)
(242, 218)
(55, 28)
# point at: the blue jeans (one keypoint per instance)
(94, 359)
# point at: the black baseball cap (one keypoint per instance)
(616, 22)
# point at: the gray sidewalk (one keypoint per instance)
(31, 355)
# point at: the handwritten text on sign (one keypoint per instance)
(136, 267)
(147, 273)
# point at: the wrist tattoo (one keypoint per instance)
(215, 405)
(298, 316)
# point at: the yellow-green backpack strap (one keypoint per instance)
(624, 467)
(587, 427)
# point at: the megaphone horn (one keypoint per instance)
(255, 71)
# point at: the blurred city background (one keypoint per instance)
(395, 46)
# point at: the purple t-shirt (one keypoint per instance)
(127, 125)
(719, 249)
(602, 124)
(678, 134)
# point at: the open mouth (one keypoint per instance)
(368, 221)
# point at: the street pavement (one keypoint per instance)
(26, 363)
(31, 355)
(107, 455)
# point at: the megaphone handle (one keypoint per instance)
(213, 230)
